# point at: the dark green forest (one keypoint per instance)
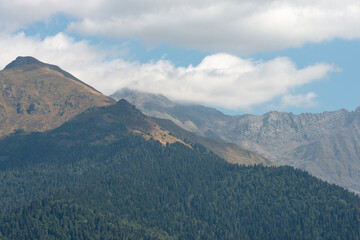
(93, 179)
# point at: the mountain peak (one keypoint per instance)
(28, 60)
(21, 61)
(36, 96)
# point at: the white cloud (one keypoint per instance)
(59, 49)
(219, 80)
(236, 26)
(301, 100)
(227, 81)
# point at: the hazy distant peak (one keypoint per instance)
(133, 92)
(21, 61)
(139, 98)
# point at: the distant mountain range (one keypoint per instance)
(325, 144)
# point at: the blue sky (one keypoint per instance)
(238, 56)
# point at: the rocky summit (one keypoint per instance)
(35, 96)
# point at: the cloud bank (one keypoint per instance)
(220, 80)
(240, 27)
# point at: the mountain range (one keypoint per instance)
(36, 96)
(111, 172)
(325, 144)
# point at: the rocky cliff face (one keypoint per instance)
(325, 144)
(36, 96)
(277, 132)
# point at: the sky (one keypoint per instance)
(239, 56)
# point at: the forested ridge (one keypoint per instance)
(93, 179)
